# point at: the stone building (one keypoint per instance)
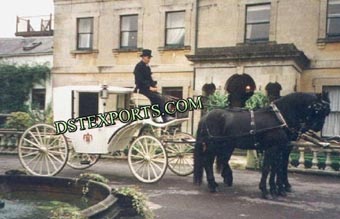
(294, 43)
(31, 51)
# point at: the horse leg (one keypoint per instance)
(208, 165)
(265, 172)
(272, 185)
(227, 173)
(285, 163)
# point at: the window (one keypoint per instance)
(88, 104)
(332, 123)
(84, 33)
(333, 18)
(173, 91)
(128, 31)
(38, 99)
(257, 23)
(175, 29)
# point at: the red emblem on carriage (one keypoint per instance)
(87, 137)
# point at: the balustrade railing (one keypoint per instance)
(9, 140)
(308, 157)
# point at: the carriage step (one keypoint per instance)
(85, 162)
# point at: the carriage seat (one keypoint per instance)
(138, 99)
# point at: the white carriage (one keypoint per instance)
(152, 146)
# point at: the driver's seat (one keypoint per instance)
(137, 99)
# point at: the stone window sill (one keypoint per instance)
(124, 50)
(85, 51)
(329, 40)
(174, 48)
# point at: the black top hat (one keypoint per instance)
(146, 52)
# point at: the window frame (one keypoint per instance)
(324, 87)
(91, 33)
(259, 40)
(121, 31)
(39, 91)
(166, 45)
(337, 36)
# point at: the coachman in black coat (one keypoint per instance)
(146, 85)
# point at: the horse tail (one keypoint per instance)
(198, 156)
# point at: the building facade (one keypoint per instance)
(294, 43)
(31, 51)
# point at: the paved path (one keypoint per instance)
(176, 197)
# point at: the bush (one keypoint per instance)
(19, 120)
(138, 199)
(220, 101)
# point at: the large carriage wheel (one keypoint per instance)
(147, 159)
(80, 161)
(180, 151)
(41, 151)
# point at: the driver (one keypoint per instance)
(147, 86)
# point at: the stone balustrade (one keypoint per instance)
(9, 140)
(308, 157)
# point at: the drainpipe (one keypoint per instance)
(196, 25)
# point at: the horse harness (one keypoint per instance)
(253, 131)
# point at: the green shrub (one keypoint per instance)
(19, 120)
(220, 101)
(139, 201)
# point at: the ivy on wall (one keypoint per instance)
(16, 81)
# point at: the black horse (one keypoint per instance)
(269, 129)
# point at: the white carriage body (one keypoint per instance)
(96, 140)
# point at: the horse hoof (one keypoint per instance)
(264, 195)
(212, 189)
(282, 193)
(288, 189)
(228, 183)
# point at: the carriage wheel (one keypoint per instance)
(41, 151)
(147, 159)
(80, 161)
(180, 155)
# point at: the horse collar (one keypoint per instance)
(278, 114)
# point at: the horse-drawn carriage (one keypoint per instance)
(152, 146)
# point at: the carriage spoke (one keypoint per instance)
(52, 162)
(30, 154)
(39, 135)
(25, 139)
(57, 153)
(55, 158)
(47, 165)
(35, 139)
(30, 148)
(185, 160)
(56, 138)
(143, 170)
(137, 162)
(142, 147)
(35, 157)
(135, 148)
(148, 168)
(56, 147)
(160, 169)
(137, 156)
(35, 165)
(41, 164)
(140, 167)
(153, 170)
